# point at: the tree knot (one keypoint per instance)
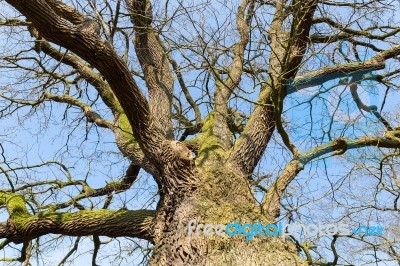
(181, 151)
(340, 146)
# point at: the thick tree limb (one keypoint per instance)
(250, 146)
(287, 52)
(320, 76)
(22, 227)
(337, 147)
(154, 63)
(88, 45)
(375, 63)
(257, 124)
(224, 89)
(66, 11)
(341, 145)
(124, 138)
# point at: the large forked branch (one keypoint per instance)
(123, 136)
(271, 202)
(22, 226)
(245, 13)
(339, 146)
(260, 127)
(155, 65)
(320, 76)
(287, 50)
(57, 25)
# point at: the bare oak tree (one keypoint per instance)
(196, 94)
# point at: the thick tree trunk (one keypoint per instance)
(222, 198)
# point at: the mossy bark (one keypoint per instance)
(222, 197)
(23, 226)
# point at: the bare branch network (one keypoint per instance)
(153, 114)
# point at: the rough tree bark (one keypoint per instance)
(215, 186)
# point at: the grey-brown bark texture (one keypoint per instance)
(215, 185)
